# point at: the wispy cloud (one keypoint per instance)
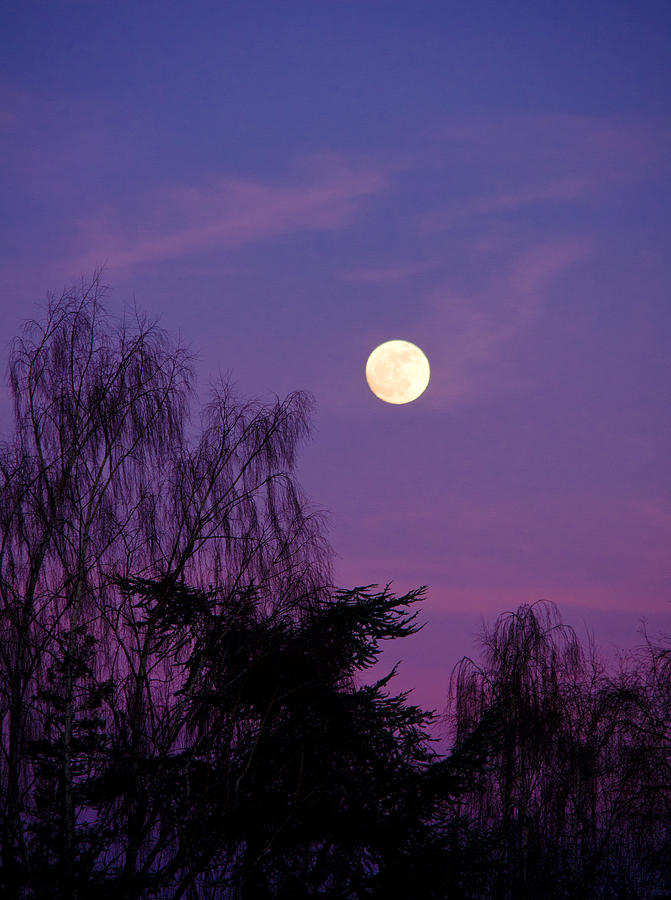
(232, 212)
(470, 333)
(114, 211)
(385, 276)
(537, 267)
(525, 161)
(596, 148)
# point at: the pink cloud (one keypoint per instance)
(493, 555)
(531, 160)
(470, 332)
(573, 149)
(388, 275)
(539, 266)
(232, 212)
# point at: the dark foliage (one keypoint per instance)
(573, 795)
(290, 780)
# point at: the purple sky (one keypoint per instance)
(286, 185)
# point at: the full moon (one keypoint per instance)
(397, 372)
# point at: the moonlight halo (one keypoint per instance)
(397, 372)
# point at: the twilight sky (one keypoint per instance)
(286, 185)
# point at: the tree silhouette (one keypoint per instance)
(101, 481)
(291, 779)
(574, 765)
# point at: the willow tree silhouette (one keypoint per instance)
(101, 481)
(574, 797)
